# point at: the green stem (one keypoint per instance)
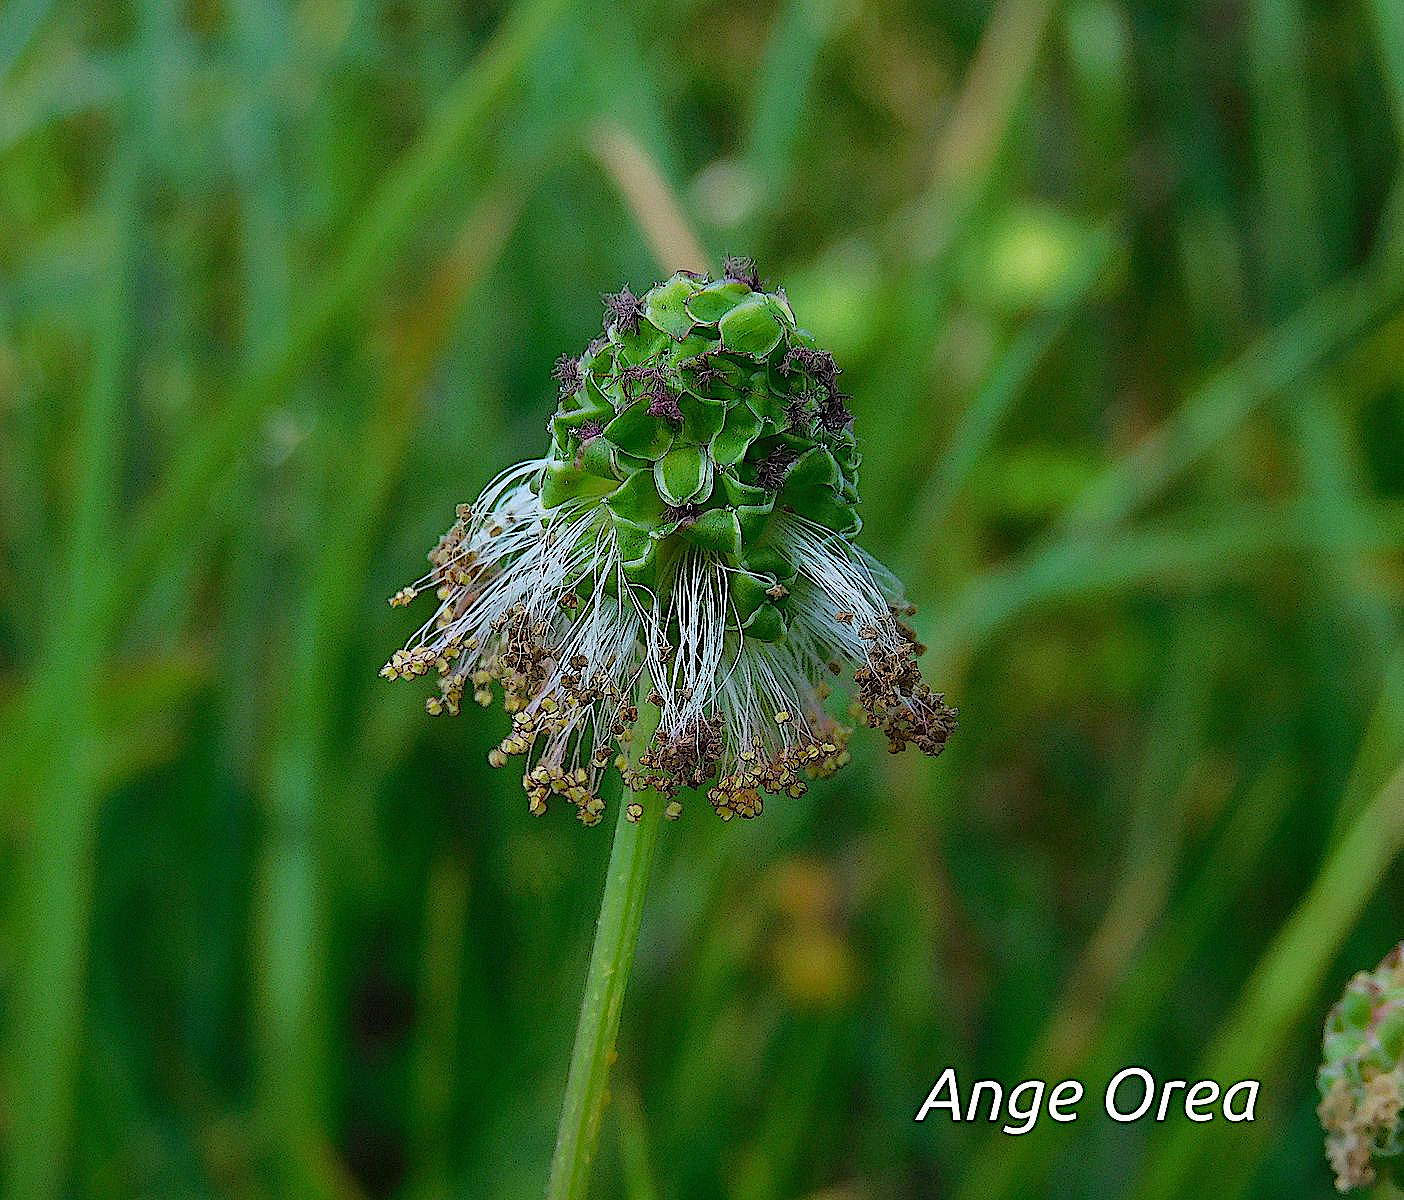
(616, 937)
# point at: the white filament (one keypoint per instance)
(767, 695)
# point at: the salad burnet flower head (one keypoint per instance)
(1361, 1079)
(689, 532)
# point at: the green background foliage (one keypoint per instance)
(1118, 289)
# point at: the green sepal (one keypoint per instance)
(753, 521)
(737, 433)
(766, 404)
(823, 506)
(683, 475)
(634, 349)
(799, 443)
(845, 452)
(638, 432)
(629, 463)
(561, 482)
(638, 554)
(1389, 1034)
(665, 306)
(691, 348)
(643, 573)
(752, 327)
(598, 358)
(791, 386)
(709, 304)
(1356, 1009)
(767, 624)
(753, 506)
(716, 530)
(634, 544)
(636, 502)
(599, 369)
(737, 492)
(563, 424)
(596, 457)
(702, 418)
(769, 560)
(595, 395)
(610, 389)
(728, 385)
(812, 469)
(747, 593)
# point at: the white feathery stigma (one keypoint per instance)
(536, 602)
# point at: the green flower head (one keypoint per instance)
(693, 519)
(703, 409)
(1362, 1076)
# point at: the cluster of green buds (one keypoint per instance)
(1362, 1077)
(692, 524)
(703, 409)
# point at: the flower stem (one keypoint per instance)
(616, 936)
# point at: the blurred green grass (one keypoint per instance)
(1119, 291)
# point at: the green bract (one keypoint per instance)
(703, 410)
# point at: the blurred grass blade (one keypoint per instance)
(45, 1034)
(1300, 242)
(1143, 991)
(41, 99)
(993, 85)
(437, 1038)
(1388, 17)
(1004, 383)
(373, 245)
(1217, 545)
(932, 228)
(1287, 981)
(975, 132)
(372, 248)
(639, 1182)
(769, 1162)
(1320, 329)
(1381, 747)
(654, 204)
(22, 19)
(781, 101)
(1294, 239)
(288, 945)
